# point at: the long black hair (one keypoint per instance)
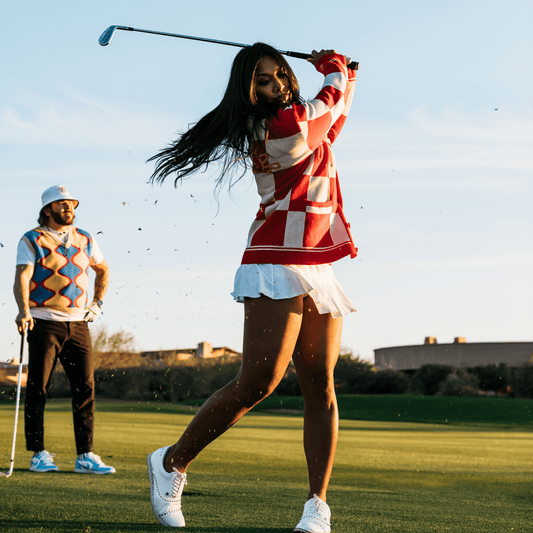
(224, 134)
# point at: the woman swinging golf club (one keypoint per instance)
(292, 302)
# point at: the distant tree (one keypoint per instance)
(191, 382)
(428, 378)
(119, 341)
(353, 375)
(288, 386)
(521, 381)
(459, 383)
(388, 382)
(492, 377)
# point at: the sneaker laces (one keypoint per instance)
(318, 503)
(46, 457)
(93, 457)
(177, 479)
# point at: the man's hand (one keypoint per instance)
(24, 320)
(91, 312)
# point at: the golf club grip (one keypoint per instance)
(353, 65)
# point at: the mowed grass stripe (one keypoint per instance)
(388, 476)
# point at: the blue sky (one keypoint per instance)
(435, 160)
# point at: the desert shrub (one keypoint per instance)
(191, 382)
(521, 381)
(491, 377)
(203, 379)
(388, 382)
(288, 386)
(352, 375)
(459, 383)
(124, 384)
(59, 386)
(428, 378)
(8, 393)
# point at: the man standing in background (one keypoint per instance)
(51, 291)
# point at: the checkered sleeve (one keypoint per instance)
(348, 97)
(300, 220)
(298, 130)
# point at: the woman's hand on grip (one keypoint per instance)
(317, 55)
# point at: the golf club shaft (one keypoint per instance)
(19, 382)
(106, 37)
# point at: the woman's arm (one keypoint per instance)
(300, 129)
(348, 97)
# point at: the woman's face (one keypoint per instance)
(271, 81)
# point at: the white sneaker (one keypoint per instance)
(43, 462)
(165, 490)
(90, 463)
(316, 517)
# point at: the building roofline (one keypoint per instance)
(452, 344)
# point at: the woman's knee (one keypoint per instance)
(317, 386)
(254, 390)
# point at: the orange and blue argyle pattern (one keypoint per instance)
(60, 279)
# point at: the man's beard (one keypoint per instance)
(62, 218)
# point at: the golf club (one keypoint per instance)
(106, 37)
(19, 380)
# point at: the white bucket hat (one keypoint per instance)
(55, 193)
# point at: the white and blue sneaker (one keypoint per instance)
(90, 463)
(43, 462)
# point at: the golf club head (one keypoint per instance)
(106, 37)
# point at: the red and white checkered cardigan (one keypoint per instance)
(300, 220)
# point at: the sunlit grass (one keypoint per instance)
(388, 476)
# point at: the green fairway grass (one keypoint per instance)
(494, 411)
(389, 476)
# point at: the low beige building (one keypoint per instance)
(163, 358)
(167, 358)
(9, 374)
(459, 354)
(113, 360)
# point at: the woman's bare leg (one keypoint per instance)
(271, 329)
(315, 358)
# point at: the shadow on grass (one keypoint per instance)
(95, 526)
(45, 474)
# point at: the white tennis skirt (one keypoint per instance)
(287, 281)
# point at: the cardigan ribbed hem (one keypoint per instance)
(295, 256)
